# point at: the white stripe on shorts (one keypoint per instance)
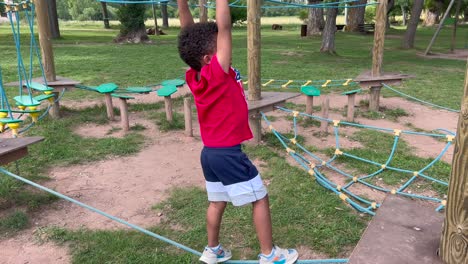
(238, 193)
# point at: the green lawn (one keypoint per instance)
(303, 212)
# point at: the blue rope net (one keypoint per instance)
(315, 166)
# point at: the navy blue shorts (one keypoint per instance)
(230, 176)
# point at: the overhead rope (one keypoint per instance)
(313, 164)
(419, 100)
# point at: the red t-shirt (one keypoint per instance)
(221, 104)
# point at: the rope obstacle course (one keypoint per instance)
(28, 103)
(314, 165)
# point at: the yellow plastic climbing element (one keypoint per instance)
(267, 83)
(397, 132)
(14, 128)
(326, 83)
(343, 197)
(336, 123)
(290, 150)
(286, 84)
(307, 83)
(449, 138)
(347, 82)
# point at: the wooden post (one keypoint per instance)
(156, 29)
(109, 106)
(54, 106)
(255, 123)
(188, 117)
(168, 105)
(454, 239)
(379, 38)
(124, 114)
(309, 104)
(325, 107)
(44, 40)
(105, 15)
(203, 11)
(351, 101)
(253, 48)
(374, 100)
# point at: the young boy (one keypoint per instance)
(223, 116)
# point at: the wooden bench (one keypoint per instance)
(366, 28)
(12, 149)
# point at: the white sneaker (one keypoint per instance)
(279, 256)
(215, 255)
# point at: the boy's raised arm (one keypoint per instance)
(185, 16)
(224, 41)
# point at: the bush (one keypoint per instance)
(303, 15)
(370, 14)
(238, 14)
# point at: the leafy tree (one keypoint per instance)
(84, 10)
(132, 23)
(2, 9)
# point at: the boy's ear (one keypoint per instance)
(207, 59)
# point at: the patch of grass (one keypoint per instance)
(137, 127)
(384, 113)
(178, 122)
(303, 213)
(113, 130)
(377, 147)
(13, 223)
(61, 147)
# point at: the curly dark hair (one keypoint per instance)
(196, 41)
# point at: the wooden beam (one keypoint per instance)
(325, 109)
(44, 40)
(168, 107)
(253, 48)
(379, 37)
(351, 102)
(109, 106)
(188, 117)
(124, 114)
(454, 239)
(203, 11)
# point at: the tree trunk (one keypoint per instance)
(465, 15)
(53, 19)
(105, 15)
(408, 40)
(405, 16)
(391, 4)
(328, 38)
(132, 24)
(164, 15)
(454, 239)
(315, 22)
(356, 16)
(431, 18)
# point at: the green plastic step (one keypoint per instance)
(122, 96)
(107, 88)
(43, 97)
(167, 90)
(138, 90)
(352, 92)
(40, 87)
(310, 90)
(20, 111)
(88, 88)
(10, 121)
(175, 82)
(25, 100)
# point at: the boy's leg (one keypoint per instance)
(214, 214)
(262, 221)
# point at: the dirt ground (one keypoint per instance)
(458, 54)
(127, 187)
